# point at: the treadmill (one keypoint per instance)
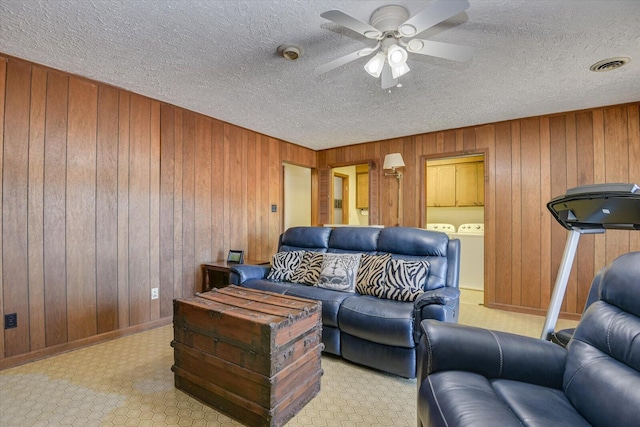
(588, 209)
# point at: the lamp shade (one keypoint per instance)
(393, 161)
(400, 70)
(375, 64)
(397, 58)
(396, 55)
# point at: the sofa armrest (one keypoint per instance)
(443, 296)
(240, 273)
(449, 346)
(440, 304)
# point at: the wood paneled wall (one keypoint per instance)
(106, 194)
(527, 163)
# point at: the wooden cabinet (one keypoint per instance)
(455, 184)
(441, 186)
(362, 186)
(470, 184)
(480, 172)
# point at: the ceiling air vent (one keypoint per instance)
(610, 64)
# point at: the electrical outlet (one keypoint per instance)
(154, 293)
(11, 320)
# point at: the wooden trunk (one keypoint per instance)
(252, 355)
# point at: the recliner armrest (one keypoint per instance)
(240, 273)
(493, 354)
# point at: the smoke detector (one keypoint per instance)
(610, 64)
(290, 52)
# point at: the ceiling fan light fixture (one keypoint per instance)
(389, 25)
(400, 70)
(374, 65)
(396, 55)
(397, 58)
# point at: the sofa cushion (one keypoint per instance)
(354, 239)
(415, 244)
(339, 272)
(331, 300)
(465, 398)
(305, 238)
(268, 285)
(547, 406)
(283, 264)
(604, 354)
(395, 360)
(378, 320)
(412, 241)
(372, 272)
(308, 272)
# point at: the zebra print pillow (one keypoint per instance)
(284, 264)
(372, 272)
(405, 279)
(308, 273)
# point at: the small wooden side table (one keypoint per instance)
(215, 274)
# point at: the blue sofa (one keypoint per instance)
(375, 332)
(501, 379)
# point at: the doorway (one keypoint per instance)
(340, 213)
(363, 193)
(356, 202)
(297, 196)
(454, 187)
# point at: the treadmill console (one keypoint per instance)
(598, 207)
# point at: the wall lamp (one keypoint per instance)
(393, 161)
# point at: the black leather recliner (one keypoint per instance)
(475, 377)
(563, 336)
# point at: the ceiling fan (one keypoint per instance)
(390, 26)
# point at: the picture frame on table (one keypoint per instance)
(235, 257)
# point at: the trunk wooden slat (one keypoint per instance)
(253, 355)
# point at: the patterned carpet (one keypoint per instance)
(128, 382)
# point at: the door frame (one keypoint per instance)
(488, 226)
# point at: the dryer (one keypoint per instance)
(471, 237)
(445, 228)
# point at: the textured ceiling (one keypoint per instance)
(219, 58)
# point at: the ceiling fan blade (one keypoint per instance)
(341, 61)
(438, 12)
(387, 79)
(454, 52)
(341, 18)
